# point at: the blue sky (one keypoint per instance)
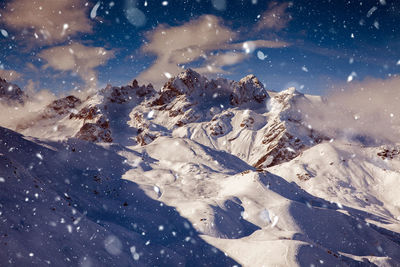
(313, 45)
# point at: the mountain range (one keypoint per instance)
(203, 172)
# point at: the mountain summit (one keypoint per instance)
(11, 93)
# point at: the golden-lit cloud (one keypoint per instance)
(46, 21)
(215, 62)
(275, 17)
(205, 39)
(13, 115)
(10, 75)
(366, 109)
(183, 44)
(77, 58)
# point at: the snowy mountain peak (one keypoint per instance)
(105, 115)
(187, 82)
(127, 93)
(190, 74)
(62, 106)
(248, 89)
(192, 84)
(11, 93)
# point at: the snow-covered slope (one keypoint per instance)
(65, 204)
(135, 176)
(101, 117)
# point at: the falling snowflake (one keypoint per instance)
(275, 221)
(113, 245)
(219, 5)
(150, 114)
(4, 33)
(156, 189)
(261, 55)
(351, 76)
(248, 47)
(371, 11)
(93, 13)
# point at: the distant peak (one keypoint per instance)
(249, 88)
(291, 91)
(249, 77)
(189, 73)
(11, 92)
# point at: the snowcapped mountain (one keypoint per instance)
(203, 172)
(11, 93)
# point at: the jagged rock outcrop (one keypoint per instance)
(248, 89)
(389, 152)
(62, 106)
(237, 117)
(192, 84)
(96, 132)
(286, 135)
(112, 103)
(125, 94)
(11, 93)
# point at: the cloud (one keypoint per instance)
(215, 62)
(79, 59)
(202, 40)
(275, 17)
(250, 46)
(10, 75)
(367, 110)
(13, 115)
(183, 44)
(47, 21)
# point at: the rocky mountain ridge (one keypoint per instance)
(240, 118)
(10, 93)
(214, 170)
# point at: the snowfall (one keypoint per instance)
(200, 173)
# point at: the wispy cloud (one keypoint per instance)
(13, 115)
(46, 21)
(367, 109)
(205, 39)
(216, 62)
(183, 44)
(10, 75)
(275, 17)
(79, 59)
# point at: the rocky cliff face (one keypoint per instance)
(240, 118)
(286, 135)
(11, 93)
(62, 106)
